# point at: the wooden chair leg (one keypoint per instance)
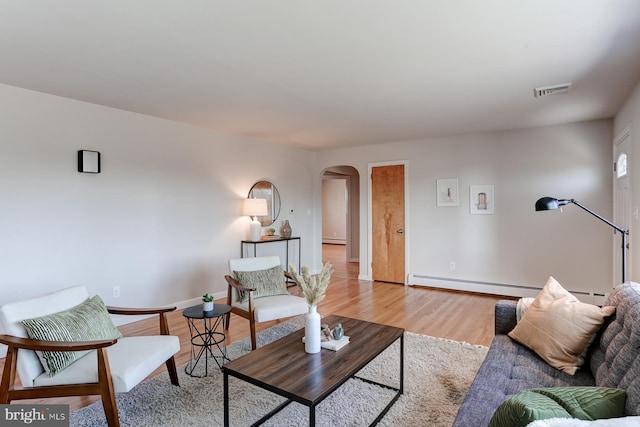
(252, 327)
(227, 321)
(8, 375)
(164, 324)
(106, 389)
(228, 315)
(173, 373)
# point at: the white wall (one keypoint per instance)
(160, 221)
(516, 245)
(629, 115)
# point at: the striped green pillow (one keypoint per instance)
(267, 282)
(88, 321)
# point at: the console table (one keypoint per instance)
(246, 244)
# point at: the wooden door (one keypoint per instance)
(387, 223)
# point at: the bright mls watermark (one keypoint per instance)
(34, 415)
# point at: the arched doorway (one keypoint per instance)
(341, 209)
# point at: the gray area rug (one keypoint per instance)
(438, 374)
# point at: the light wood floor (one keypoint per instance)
(453, 315)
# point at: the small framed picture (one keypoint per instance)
(481, 200)
(447, 192)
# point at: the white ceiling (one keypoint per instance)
(322, 74)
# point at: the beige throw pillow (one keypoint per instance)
(558, 327)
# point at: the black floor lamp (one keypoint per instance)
(549, 203)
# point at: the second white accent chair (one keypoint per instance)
(264, 308)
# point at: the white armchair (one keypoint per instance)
(113, 365)
(264, 308)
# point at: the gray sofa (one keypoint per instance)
(614, 361)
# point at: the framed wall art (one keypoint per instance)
(481, 200)
(447, 192)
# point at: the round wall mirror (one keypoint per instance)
(266, 190)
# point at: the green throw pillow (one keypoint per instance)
(266, 282)
(584, 403)
(88, 321)
(524, 408)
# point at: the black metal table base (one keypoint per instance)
(312, 409)
(208, 343)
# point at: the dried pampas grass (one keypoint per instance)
(313, 287)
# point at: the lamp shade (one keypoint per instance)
(550, 203)
(546, 204)
(255, 207)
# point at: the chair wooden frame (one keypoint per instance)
(104, 386)
(249, 315)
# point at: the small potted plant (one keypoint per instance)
(207, 302)
(270, 231)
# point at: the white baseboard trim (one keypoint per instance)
(520, 291)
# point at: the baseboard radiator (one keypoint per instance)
(511, 290)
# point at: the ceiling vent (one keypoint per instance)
(539, 92)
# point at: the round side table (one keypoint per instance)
(208, 338)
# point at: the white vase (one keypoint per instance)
(207, 306)
(312, 330)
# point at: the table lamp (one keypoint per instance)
(549, 203)
(255, 208)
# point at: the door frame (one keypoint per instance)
(622, 215)
(347, 183)
(407, 224)
(354, 220)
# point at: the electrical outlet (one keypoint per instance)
(116, 291)
(452, 266)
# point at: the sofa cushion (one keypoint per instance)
(267, 282)
(558, 327)
(585, 403)
(614, 357)
(85, 322)
(509, 368)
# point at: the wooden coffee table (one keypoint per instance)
(284, 368)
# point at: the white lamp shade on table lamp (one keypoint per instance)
(255, 208)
